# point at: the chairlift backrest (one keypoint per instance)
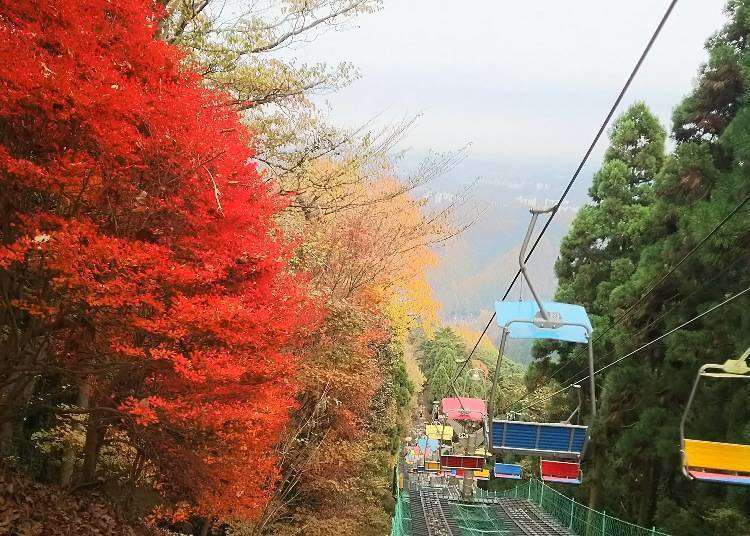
(542, 320)
(452, 461)
(521, 320)
(464, 409)
(558, 440)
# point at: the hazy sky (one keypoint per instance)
(525, 82)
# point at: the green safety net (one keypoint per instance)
(576, 517)
(401, 523)
(482, 518)
(478, 520)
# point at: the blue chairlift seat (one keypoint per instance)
(555, 440)
(428, 444)
(508, 311)
(509, 471)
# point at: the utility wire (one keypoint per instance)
(640, 300)
(577, 171)
(640, 332)
(642, 347)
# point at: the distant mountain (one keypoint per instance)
(477, 266)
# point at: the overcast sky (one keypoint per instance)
(525, 82)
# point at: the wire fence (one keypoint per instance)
(574, 516)
(481, 519)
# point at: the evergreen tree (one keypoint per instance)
(440, 356)
(602, 248)
(645, 217)
(699, 184)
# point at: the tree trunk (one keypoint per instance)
(595, 485)
(15, 400)
(70, 455)
(17, 393)
(6, 439)
(647, 506)
(91, 446)
(206, 528)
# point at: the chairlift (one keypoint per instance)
(456, 461)
(709, 461)
(439, 432)
(477, 474)
(482, 474)
(465, 410)
(540, 320)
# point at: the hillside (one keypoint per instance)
(477, 266)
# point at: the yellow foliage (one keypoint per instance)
(470, 337)
(373, 247)
(414, 371)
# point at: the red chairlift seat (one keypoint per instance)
(450, 461)
(465, 409)
(560, 472)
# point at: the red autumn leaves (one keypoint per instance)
(138, 250)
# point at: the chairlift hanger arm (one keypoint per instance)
(505, 333)
(731, 368)
(522, 257)
(588, 152)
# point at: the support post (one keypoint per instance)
(468, 481)
(572, 511)
(495, 377)
(604, 523)
(592, 380)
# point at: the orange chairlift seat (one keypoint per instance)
(432, 465)
(479, 474)
(482, 474)
(710, 461)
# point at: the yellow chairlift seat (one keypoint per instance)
(720, 456)
(435, 432)
(710, 461)
(482, 474)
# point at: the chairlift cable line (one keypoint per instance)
(666, 275)
(577, 171)
(638, 333)
(643, 296)
(644, 346)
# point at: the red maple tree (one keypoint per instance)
(138, 251)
